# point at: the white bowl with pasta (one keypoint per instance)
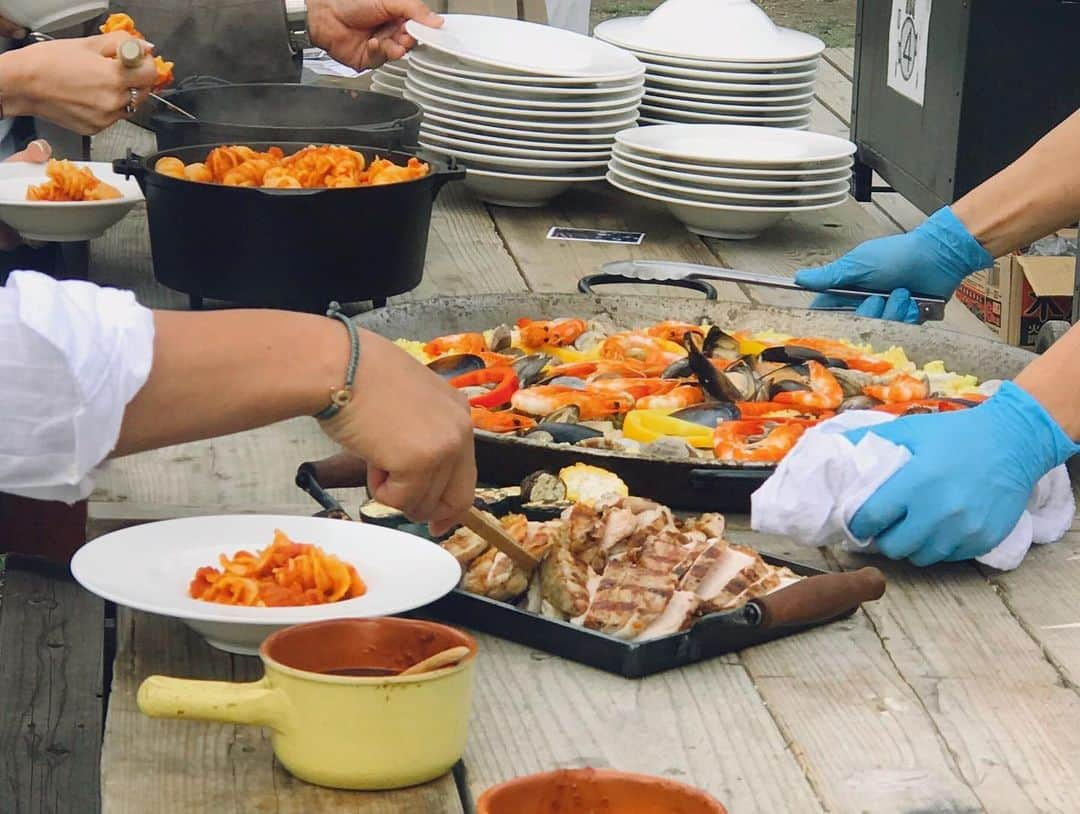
(150, 568)
(62, 221)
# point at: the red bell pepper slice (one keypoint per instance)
(504, 379)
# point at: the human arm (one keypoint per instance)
(77, 84)
(366, 33)
(93, 374)
(972, 472)
(1035, 195)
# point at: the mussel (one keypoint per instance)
(530, 368)
(712, 381)
(852, 382)
(793, 355)
(708, 414)
(719, 344)
(564, 432)
(787, 386)
(449, 367)
(572, 382)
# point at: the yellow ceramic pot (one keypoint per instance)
(349, 731)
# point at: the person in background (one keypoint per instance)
(971, 471)
(89, 374)
(264, 40)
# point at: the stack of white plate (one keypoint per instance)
(719, 62)
(732, 181)
(389, 78)
(529, 110)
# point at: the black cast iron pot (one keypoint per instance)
(241, 114)
(298, 249)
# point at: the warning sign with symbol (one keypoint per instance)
(908, 36)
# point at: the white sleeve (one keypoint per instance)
(72, 355)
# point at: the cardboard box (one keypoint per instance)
(1019, 294)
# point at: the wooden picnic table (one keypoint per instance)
(957, 692)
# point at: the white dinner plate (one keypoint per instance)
(825, 169)
(728, 88)
(533, 117)
(723, 196)
(519, 190)
(482, 148)
(149, 568)
(743, 77)
(432, 127)
(500, 90)
(757, 108)
(710, 30)
(722, 180)
(520, 101)
(676, 95)
(650, 60)
(526, 47)
(646, 121)
(473, 129)
(713, 220)
(56, 222)
(523, 166)
(761, 117)
(450, 66)
(736, 145)
(595, 125)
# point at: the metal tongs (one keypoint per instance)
(931, 309)
(129, 61)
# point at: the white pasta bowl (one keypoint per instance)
(520, 190)
(58, 222)
(149, 568)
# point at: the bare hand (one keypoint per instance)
(366, 33)
(37, 152)
(75, 83)
(415, 433)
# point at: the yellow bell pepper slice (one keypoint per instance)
(646, 426)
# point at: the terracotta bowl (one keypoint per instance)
(595, 791)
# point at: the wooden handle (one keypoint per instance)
(341, 471)
(495, 535)
(130, 53)
(820, 598)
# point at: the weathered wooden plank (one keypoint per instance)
(555, 265)
(843, 59)
(704, 725)
(861, 734)
(190, 766)
(51, 641)
(1001, 707)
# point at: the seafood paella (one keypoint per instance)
(679, 389)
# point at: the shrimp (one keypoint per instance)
(774, 409)
(652, 353)
(685, 395)
(755, 440)
(501, 421)
(456, 343)
(674, 331)
(600, 367)
(825, 391)
(899, 388)
(556, 332)
(835, 349)
(545, 399)
(639, 387)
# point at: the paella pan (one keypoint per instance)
(782, 382)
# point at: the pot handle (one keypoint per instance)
(130, 165)
(255, 703)
(586, 283)
(819, 598)
(453, 171)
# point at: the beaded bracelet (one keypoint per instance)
(340, 396)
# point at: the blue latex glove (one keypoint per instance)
(931, 259)
(969, 479)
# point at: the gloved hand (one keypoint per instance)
(969, 479)
(931, 259)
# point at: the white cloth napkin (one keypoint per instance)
(817, 489)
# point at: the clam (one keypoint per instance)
(501, 338)
(669, 447)
(449, 367)
(570, 414)
(530, 368)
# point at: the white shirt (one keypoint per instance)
(72, 355)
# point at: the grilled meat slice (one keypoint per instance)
(618, 524)
(541, 537)
(669, 552)
(564, 581)
(751, 569)
(678, 615)
(465, 545)
(494, 575)
(711, 525)
(703, 564)
(628, 600)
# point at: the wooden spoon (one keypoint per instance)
(445, 658)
